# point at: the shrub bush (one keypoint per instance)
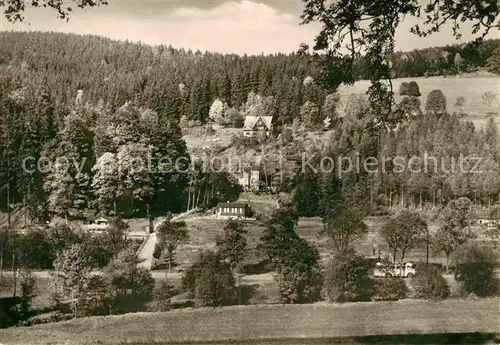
(244, 142)
(157, 252)
(435, 102)
(409, 89)
(475, 270)
(214, 283)
(130, 287)
(162, 296)
(28, 292)
(260, 267)
(246, 293)
(52, 317)
(9, 311)
(93, 299)
(392, 289)
(430, 284)
(189, 279)
(300, 284)
(348, 280)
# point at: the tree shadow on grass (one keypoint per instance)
(429, 339)
(245, 293)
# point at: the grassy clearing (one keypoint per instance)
(471, 88)
(197, 138)
(42, 299)
(203, 233)
(405, 339)
(268, 322)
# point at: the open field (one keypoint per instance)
(198, 139)
(203, 233)
(272, 322)
(406, 339)
(471, 88)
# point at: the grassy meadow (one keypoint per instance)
(469, 87)
(274, 322)
(204, 231)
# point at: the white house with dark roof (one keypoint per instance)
(255, 124)
(232, 210)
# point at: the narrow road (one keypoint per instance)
(148, 249)
(147, 252)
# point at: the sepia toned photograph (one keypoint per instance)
(249, 172)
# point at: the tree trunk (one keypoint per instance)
(401, 262)
(25, 212)
(150, 218)
(14, 276)
(427, 248)
(115, 208)
(198, 198)
(205, 194)
(8, 199)
(371, 199)
(170, 261)
(193, 196)
(189, 198)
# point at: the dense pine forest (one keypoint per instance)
(181, 82)
(136, 98)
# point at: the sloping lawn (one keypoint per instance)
(269, 322)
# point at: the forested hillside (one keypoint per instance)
(136, 98)
(186, 83)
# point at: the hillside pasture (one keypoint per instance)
(203, 232)
(273, 322)
(471, 88)
(198, 139)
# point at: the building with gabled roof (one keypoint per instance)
(255, 124)
(230, 210)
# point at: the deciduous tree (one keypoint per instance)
(171, 235)
(295, 260)
(14, 10)
(232, 246)
(403, 233)
(435, 103)
(343, 229)
(475, 269)
(131, 287)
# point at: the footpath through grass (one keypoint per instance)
(244, 323)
